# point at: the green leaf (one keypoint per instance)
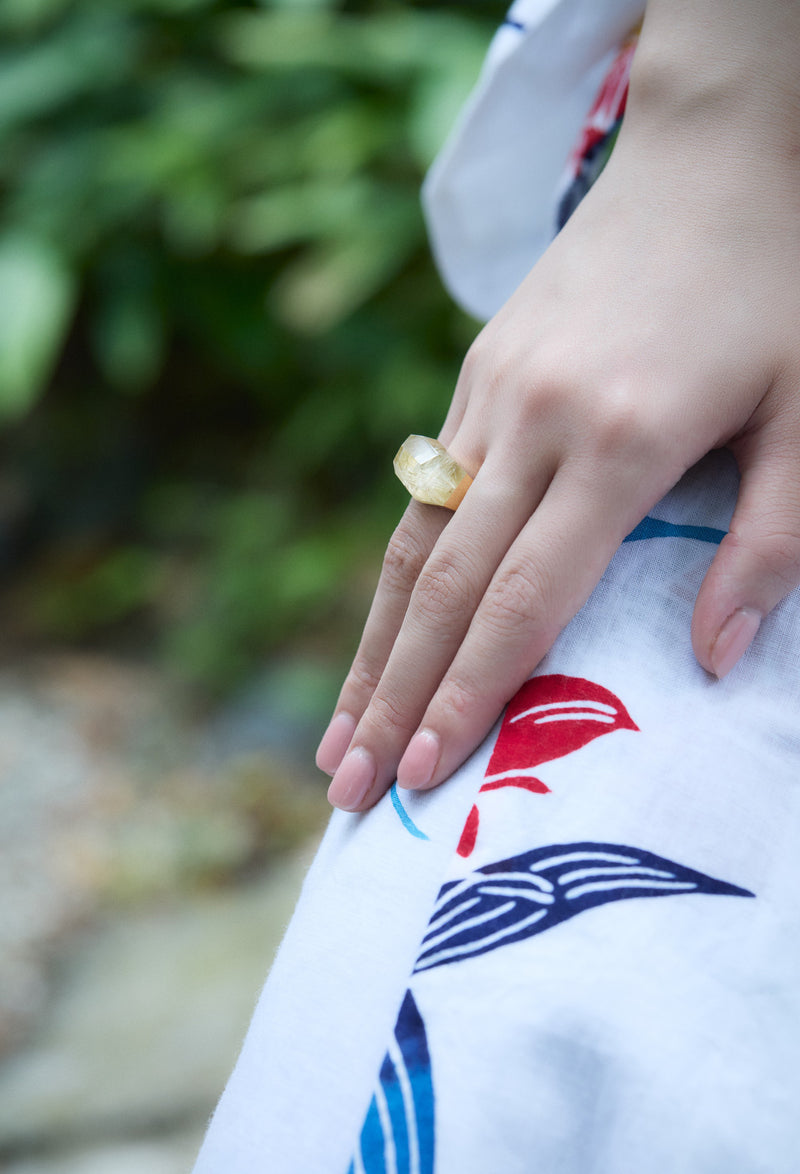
(90, 54)
(104, 593)
(330, 281)
(298, 212)
(25, 15)
(37, 293)
(129, 340)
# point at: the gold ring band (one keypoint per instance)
(430, 474)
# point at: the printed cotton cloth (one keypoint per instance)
(581, 954)
(492, 196)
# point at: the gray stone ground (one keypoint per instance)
(146, 876)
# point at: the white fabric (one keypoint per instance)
(319, 1032)
(489, 197)
(656, 1032)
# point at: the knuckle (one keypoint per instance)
(623, 424)
(492, 363)
(781, 558)
(458, 696)
(554, 377)
(363, 677)
(513, 600)
(403, 561)
(541, 404)
(550, 397)
(443, 589)
(776, 552)
(545, 382)
(385, 713)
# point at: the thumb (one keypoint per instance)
(758, 561)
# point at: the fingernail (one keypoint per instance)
(420, 760)
(352, 780)
(733, 639)
(335, 741)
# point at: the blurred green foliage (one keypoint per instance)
(219, 314)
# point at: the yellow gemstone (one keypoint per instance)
(427, 470)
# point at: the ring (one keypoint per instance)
(430, 474)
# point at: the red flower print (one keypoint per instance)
(549, 717)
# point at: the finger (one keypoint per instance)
(545, 579)
(444, 600)
(758, 561)
(406, 555)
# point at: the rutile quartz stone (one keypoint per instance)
(429, 473)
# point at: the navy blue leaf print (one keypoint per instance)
(527, 894)
(398, 1132)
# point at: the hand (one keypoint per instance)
(664, 321)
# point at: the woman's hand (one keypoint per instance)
(664, 321)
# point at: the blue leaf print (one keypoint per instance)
(527, 894)
(398, 1132)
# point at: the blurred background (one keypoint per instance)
(218, 321)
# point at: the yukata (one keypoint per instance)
(581, 954)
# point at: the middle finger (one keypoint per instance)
(443, 602)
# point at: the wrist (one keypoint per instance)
(709, 67)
